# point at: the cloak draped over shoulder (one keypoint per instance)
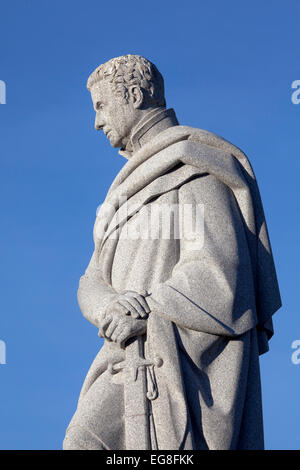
(211, 307)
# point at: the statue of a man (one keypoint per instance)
(195, 301)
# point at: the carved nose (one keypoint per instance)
(98, 124)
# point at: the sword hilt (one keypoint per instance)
(134, 361)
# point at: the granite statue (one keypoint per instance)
(181, 285)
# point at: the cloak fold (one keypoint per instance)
(146, 176)
(211, 310)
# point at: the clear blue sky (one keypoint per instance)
(228, 68)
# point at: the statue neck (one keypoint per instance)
(154, 122)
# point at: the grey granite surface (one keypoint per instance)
(181, 284)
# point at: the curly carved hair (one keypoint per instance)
(128, 70)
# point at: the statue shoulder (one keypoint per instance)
(210, 138)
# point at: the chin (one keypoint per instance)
(116, 145)
(115, 141)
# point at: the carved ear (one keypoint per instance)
(137, 96)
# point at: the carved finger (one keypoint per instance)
(104, 323)
(120, 331)
(107, 318)
(142, 302)
(123, 337)
(130, 308)
(137, 305)
(111, 328)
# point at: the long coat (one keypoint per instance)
(211, 303)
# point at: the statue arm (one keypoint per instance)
(99, 302)
(93, 294)
(211, 288)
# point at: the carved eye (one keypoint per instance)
(99, 105)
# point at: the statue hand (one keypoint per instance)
(119, 328)
(130, 303)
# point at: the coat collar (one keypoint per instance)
(152, 124)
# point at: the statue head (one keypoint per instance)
(123, 90)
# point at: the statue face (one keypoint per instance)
(114, 115)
